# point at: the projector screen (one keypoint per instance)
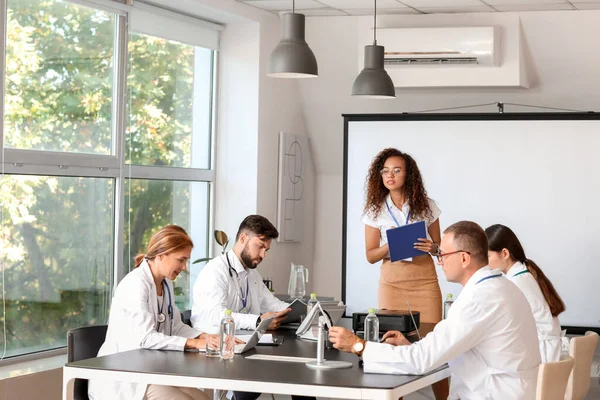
(538, 174)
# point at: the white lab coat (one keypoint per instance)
(489, 341)
(133, 325)
(548, 327)
(218, 288)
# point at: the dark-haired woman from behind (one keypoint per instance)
(396, 196)
(506, 253)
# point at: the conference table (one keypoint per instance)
(247, 373)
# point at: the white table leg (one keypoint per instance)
(68, 385)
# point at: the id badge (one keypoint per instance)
(243, 311)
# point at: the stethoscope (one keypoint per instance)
(242, 297)
(161, 316)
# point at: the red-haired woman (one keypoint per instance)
(506, 253)
(396, 196)
(143, 315)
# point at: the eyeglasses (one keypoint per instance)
(440, 257)
(394, 172)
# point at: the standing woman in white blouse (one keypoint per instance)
(143, 315)
(506, 253)
(396, 196)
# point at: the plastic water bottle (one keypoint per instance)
(372, 327)
(313, 300)
(447, 304)
(227, 336)
(309, 306)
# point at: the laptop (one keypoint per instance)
(256, 335)
(254, 338)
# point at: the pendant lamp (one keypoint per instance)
(373, 81)
(292, 58)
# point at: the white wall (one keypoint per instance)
(280, 111)
(237, 126)
(562, 52)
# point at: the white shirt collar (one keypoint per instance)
(145, 268)
(478, 275)
(515, 269)
(235, 262)
(388, 200)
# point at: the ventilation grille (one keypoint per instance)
(431, 61)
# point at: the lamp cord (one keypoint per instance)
(293, 6)
(375, 22)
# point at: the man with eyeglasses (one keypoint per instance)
(489, 338)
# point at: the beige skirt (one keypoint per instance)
(415, 282)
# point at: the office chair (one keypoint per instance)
(553, 378)
(83, 343)
(186, 317)
(582, 349)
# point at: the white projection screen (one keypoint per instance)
(539, 174)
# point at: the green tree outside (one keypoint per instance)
(57, 232)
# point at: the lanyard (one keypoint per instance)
(520, 273)
(244, 298)
(488, 277)
(394, 218)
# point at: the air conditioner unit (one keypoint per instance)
(440, 46)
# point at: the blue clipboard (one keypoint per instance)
(401, 241)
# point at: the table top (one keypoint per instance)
(195, 364)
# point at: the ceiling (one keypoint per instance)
(365, 7)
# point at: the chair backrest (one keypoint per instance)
(582, 349)
(186, 317)
(83, 343)
(553, 378)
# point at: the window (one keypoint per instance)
(59, 74)
(168, 136)
(58, 243)
(107, 136)
(152, 204)
(170, 90)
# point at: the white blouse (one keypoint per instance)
(548, 327)
(384, 221)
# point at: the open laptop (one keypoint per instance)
(254, 338)
(256, 335)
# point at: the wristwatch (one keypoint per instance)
(359, 347)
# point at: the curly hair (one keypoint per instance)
(414, 189)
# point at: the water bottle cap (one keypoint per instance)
(228, 312)
(313, 295)
(449, 296)
(371, 311)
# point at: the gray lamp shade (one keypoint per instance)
(292, 58)
(374, 81)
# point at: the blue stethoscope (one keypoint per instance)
(161, 316)
(243, 298)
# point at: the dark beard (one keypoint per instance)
(246, 259)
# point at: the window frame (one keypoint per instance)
(57, 163)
